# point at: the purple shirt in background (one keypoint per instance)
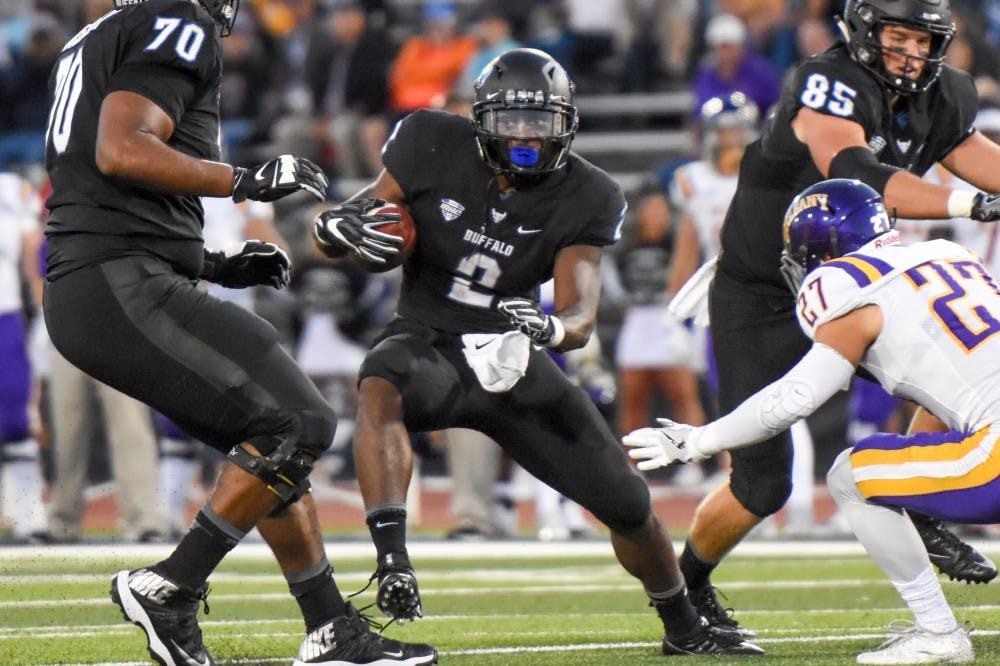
(755, 78)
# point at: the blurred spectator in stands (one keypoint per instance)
(21, 479)
(429, 63)
(598, 27)
(493, 32)
(244, 88)
(347, 66)
(24, 93)
(88, 11)
(282, 17)
(655, 353)
(812, 37)
(550, 32)
(734, 66)
(973, 52)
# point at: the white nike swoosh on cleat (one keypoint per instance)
(188, 659)
(392, 654)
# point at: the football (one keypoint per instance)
(405, 229)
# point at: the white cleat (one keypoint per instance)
(912, 644)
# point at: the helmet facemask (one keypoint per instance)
(863, 26)
(524, 116)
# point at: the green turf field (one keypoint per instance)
(493, 604)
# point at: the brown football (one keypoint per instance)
(405, 229)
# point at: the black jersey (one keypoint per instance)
(919, 130)
(475, 243)
(167, 51)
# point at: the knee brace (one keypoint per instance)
(284, 465)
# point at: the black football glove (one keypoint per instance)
(528, 318)
(278, 178)
(247, 264)
(347, 228)
(986, 207)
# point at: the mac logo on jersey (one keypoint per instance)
(903, 145)
(498, 215)
(451, 209)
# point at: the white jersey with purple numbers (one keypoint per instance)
(939, 348)
(19, 208)
(941, 315)
(704, 194)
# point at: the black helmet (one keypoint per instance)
(524, 94)
(223, 11)
(863, 22)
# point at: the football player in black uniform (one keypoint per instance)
(880, 107)
(132, 141)
(500, 205)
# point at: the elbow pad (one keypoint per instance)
(807, 385)
(861, 163)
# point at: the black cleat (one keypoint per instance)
(167, 613)
(719, 619)
(707, 641)
(349, 639)
(952, 556)
(398, 595)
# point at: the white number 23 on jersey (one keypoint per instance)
(838, 99)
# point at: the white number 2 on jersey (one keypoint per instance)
(817, 94)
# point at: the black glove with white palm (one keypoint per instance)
(659, 447)
(246, 264)
(349, 228)
(529, 318)
(277, 178)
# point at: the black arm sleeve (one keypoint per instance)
(860, 163)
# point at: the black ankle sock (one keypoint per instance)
(680, 619)
(695, 569)
(317, 595)
(387, 525)
(200, 550)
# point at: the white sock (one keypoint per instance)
(800, 501)
(21, 487)
(926, 599)
(892, 541)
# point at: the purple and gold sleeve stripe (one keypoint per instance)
(886, 466)
(863, 269)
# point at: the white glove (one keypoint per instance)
(658, 447)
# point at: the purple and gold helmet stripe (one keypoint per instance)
(863, 269)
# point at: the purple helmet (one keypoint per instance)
(828, 220)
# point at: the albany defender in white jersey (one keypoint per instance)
(933, 312)
(923, 320)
